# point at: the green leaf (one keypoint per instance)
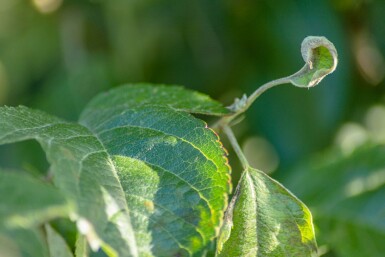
(81, 247)
(22, 243)
(346, 198)
(56, 244)
(171, 165)
(26, 202)
(265, 219)
(321, 59)
(82, 170)
(176, 97)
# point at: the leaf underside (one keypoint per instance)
(321, 59)
(171, 165)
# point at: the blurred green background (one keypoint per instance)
(55, 55)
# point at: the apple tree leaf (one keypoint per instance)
(320, 58)
(172, 167)
(82, 170)
(265, 219)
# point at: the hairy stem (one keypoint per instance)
(234, 143)
(265, 87)
(240, 106)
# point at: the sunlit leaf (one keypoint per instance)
(171, 165)
(176, 97)
(82, 170)
(265, 219)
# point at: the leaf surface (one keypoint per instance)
(82, 170)
(265, 219)
(171, 165)
(320, 58)
(56, 244)
(176, 97)
(21, 242)
(26, 202)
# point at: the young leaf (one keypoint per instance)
(265, 219)
(56, 244)
(26, 202)
(82, 170)
(320, 58)
(172, 167)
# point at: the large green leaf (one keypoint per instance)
(82, 170)
(265, 219)
(171, 165)
(346, 194)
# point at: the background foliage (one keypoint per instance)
(55, 55)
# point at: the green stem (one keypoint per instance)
(250, 100)
(265, 87)
(234, 143)
(239, 107)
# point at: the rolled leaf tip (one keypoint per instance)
(320, 58)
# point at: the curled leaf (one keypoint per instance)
(321, 59)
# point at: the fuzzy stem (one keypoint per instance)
(239, 107)
(234, 143)
(250, 100)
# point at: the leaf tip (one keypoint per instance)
(321, 58)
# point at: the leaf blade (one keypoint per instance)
(82, 170)
(320, 58)
(23, 242)
(56, 244)
(26, 202)
(177, 97)
(268, 221)
(175, 157)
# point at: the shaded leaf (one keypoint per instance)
(26, 202)
(346, 198)
(56, 244)
(265, 219)
(172, 167)
(321, 59)
(82, 170)
(22, 243)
